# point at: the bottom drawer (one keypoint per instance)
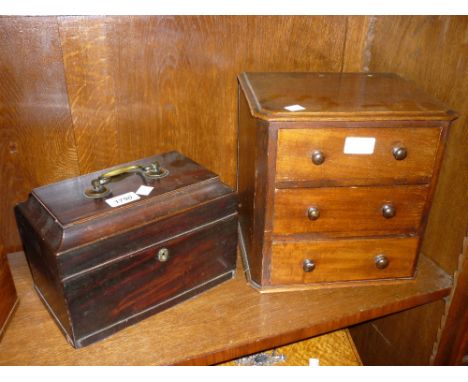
(342, 260)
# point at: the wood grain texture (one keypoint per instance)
(29, 45)
(89, 49)
(251, 143)
(401, 44)
(295, 148)
(331, 349)
(336, 107)
(211, 328)
(97, 268)
(339, 97)
(356, 40)
(36, 134)
(379, 344)
(8, 297)
(140, 85)
(349, 211)
(111, 298)
(451, 347)
(137, 86)
(342, 260)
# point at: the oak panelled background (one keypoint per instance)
(79, 94)
(36, 133)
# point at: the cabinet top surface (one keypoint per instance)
(339, 96)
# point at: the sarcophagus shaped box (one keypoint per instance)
(110, 248)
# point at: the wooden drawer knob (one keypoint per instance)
(388, 211)
(399, 153)
(381, 261)
(318, 157)
(313, 213)
(308, 265)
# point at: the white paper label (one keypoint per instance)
(144, 190)
(120, 200)
(294, 108)
(314, 362)
(358, 145)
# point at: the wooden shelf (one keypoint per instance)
(226, 322)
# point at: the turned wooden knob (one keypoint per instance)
(388, 211)
(317, 157)
(313, 213)
(399, 153)
(381, 261)
(308, 265)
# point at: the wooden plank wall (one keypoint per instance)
(78, 94)
(36, 134)
(433, 52)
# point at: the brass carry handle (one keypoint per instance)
(99, 190)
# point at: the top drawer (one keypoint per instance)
(381, 164)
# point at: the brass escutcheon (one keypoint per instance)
(163, 255)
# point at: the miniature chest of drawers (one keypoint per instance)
(336, 176)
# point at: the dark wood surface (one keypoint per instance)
(295, 148)
(339, 96)
(97, 268)
(120, 294)
(67, 203)
(252, 140)
(401, 44)
(224, 323)
(8, 297)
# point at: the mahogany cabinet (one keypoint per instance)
(336, 175)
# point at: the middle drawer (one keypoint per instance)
(349, 211)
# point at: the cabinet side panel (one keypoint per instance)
(247, 148)
(44, 271)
